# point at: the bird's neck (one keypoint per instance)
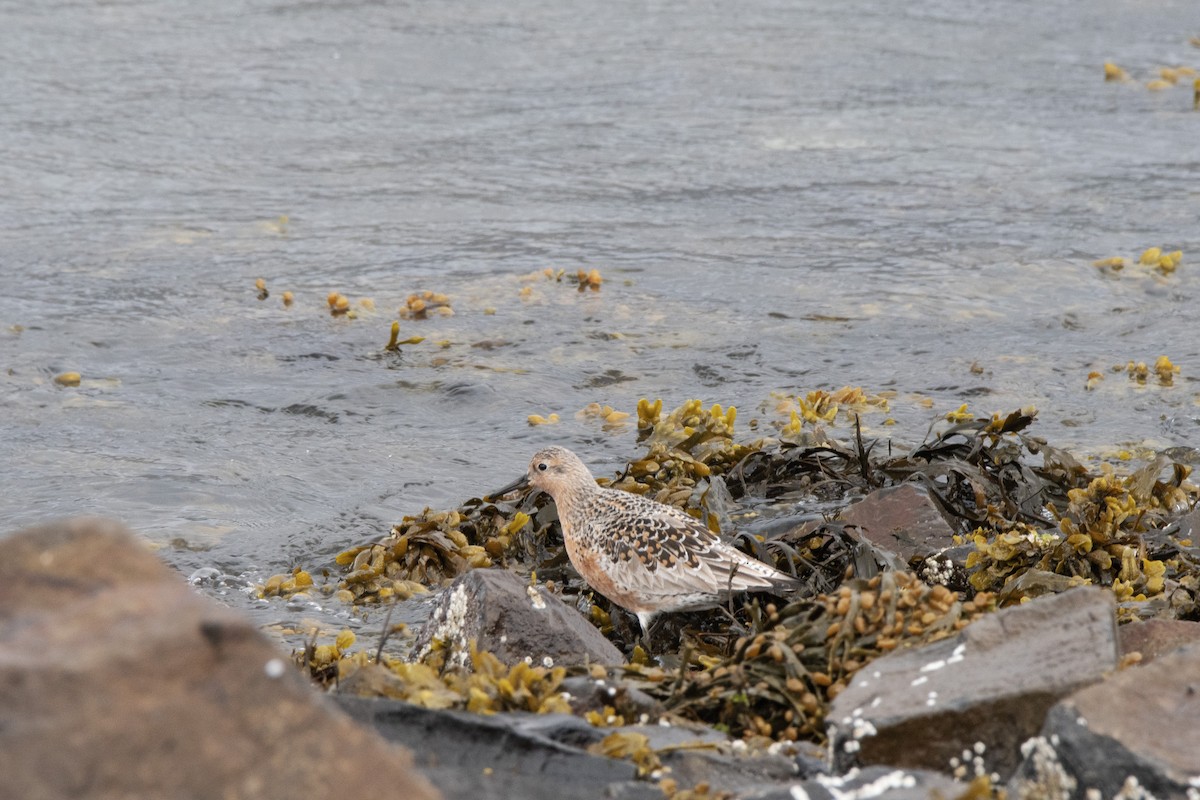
(574, 499)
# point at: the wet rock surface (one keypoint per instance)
(117, 680)
(1135, 729)
(514, 621)
(992, 684)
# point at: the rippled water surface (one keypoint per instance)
(780, 196)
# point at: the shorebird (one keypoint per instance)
(645, 556)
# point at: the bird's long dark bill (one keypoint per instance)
(520, 483)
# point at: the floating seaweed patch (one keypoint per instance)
(421, 305)
(394, 341)
(609, 417)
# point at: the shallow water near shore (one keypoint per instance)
(784, 197)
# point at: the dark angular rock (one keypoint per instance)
(1157, 637)
(515, 621)
(117, 680)
(471, 756)
(887, 783)
(1135, 729)
(991, 684)
(591, 694)
(546, 755)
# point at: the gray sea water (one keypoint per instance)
(780, 197)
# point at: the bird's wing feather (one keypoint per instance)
(660, 547)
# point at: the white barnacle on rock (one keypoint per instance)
(896, 779)
(851, 746)
(451, 620)
(547, 662)
(1049, 778)
(535, 597)
(862, 729)
(274, 668)
(933, 666)
(957, 655)
(937, 571)
(931, 698)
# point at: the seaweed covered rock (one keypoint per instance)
(117, 680)
(515, 621)
(986, 690)
(1134, 734)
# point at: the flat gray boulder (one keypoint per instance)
(971, 700)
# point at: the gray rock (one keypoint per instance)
(501, 756)
(971, 700)
(546, 755)
(888, 783)
(1137, 728)
(591, 694)
(503, 614)
(1189, 525)
(117, 680)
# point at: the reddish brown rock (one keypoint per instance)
(117, 680)
(1133, 735)
(984, 691)
(901, 520)
(1157, 637)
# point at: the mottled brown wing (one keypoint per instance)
(660, 548)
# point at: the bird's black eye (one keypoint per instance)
(542, 467)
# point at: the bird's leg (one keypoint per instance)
(647, 621)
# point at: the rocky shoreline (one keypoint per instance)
(981, 623)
